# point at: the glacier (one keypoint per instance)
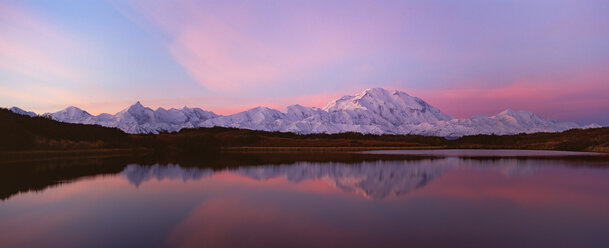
(373, 111)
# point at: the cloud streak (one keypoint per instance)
(231, 46)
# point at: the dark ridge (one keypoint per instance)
(21, 132)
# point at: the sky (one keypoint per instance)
(465, 57)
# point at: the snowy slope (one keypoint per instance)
(71, 114)
(260, 118)
(376, 111)
(22, 112)
(373, 111)
(139, 119)
(380, 106)
(506, 122)
(380, 111)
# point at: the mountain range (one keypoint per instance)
(374, 111)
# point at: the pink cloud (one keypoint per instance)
(224, 48)
(581, 93)
(41, 97)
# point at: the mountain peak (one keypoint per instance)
(262, 109)
(75, 111)
(376, 90)
(137, 107)
(393, 106)
(300, 107)
(70, 113)
(17, 110)
(507, 112)
(73, 108)
(517, 113)
(380, 92)
(371, 97)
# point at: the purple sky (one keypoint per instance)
(464, 57)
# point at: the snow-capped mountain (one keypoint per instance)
(22, 112)
(380, 111)
(375, 111)
(71, 114)
(384, 107)
(138, 119)
(506, 122)
(260, 118)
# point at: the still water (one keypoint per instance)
(444, 201)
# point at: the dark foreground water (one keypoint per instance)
(447, 201)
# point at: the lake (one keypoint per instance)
(438, 198)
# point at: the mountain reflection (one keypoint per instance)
(374, 180)
(137, 174)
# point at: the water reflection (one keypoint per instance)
(500, 153)
(137, 174)
(371, 179)
(423, 202)
(352, 172)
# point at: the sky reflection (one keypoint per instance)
(434, 203)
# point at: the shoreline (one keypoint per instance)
(25, 156)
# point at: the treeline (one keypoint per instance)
(593, 140)
(20, 132)
(232, 137)
(23, 133)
